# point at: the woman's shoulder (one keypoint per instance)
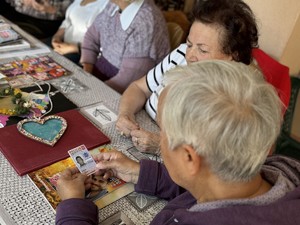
(106, 13)
(149, 11)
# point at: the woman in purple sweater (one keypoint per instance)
(218, 122)
(125, 41)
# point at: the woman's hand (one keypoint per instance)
(145, 141)
(58, 38)
(126, 123)
(65, 48)
(116, 164)
(72, 184)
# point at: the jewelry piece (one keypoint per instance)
(47, 130)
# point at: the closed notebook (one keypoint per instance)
(27, 155)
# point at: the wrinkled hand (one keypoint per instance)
(65, 48)
(116, 164)
(145, 141)
(72, 184)
(125, 124)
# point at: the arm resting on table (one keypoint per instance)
(154, 179)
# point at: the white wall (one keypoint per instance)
(279, 27)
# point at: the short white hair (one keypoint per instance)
(226, 111)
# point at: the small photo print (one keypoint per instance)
(20, 81)
(83, 159)
(100, 114)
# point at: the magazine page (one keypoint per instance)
(28, 70)
(15, 42)
(102, 193)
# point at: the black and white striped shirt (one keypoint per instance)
(155, 76)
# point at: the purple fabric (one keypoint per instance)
(76, 212)
(131, 69)
(104, 70)
(154, 179)
(133, 51)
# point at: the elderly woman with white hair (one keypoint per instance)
(218, 122)
(125, 41)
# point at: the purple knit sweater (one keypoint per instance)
(282, 209)
(126, 55)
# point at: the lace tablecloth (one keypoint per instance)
(22, 203)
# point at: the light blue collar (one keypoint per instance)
(129, 13)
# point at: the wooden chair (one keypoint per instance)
(181, 20)
(175, 34)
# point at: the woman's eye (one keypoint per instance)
(189, 45)
(202, 51)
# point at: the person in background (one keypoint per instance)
(126, 40)
(79, 16)
(41, 18)
(218, 120)
(221, 29)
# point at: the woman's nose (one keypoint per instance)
(190, 55)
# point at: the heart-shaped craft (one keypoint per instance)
(47, 130)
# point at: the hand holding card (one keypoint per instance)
(83, 159)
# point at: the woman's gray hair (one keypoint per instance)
(226, 111)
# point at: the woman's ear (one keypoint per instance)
(192, 160)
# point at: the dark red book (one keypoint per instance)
(27, 155)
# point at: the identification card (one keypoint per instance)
(83, 159)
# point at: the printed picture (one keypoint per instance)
(41, 68)
(102, 192)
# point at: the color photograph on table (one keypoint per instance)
(39, 68)
(102, 193)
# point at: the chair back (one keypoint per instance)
(175, 34)
(275, 73)
(176, 20)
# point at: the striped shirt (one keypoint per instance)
(155, 76)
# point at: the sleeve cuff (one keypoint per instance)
(148, 177)
(75, 210)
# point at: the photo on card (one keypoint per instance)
(100, 114)
(83, 159)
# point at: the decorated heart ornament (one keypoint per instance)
(47, 130)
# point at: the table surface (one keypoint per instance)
(22, 203)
